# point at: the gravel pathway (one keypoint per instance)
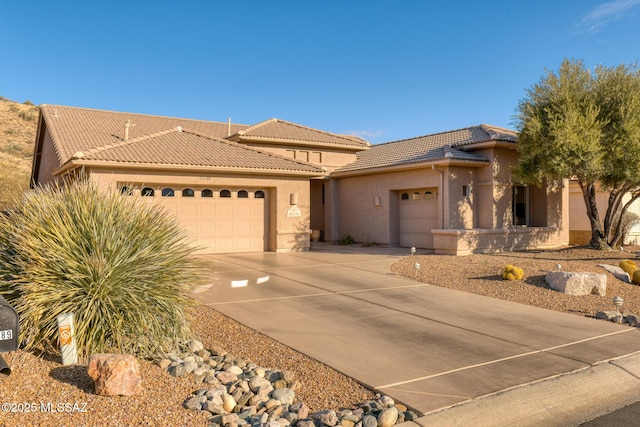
(37, 382)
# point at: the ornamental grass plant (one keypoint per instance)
(121, 265)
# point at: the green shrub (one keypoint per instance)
(122, 266)
(347, 239)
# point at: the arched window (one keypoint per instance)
(147, 192)
(168, 192)
(225, 193)
(243, 194)
(206, 193)
(187, 192)
(417, 195)
(126, 191)
(258, 194)
(405, 196)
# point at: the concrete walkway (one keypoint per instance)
(428, 347)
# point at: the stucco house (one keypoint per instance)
(452, 192)
(236, 188)
(263, 187)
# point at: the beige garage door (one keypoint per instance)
(221, 220)
(418, 215)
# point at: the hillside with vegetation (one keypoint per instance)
(18, 125)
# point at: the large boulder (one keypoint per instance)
(115, 374)
(577, 283)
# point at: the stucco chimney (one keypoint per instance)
(228, 126)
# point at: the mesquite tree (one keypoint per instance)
(585, 125)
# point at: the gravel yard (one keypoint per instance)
(38, 381)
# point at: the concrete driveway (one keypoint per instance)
(425, 346)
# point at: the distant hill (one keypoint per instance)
(18, 126)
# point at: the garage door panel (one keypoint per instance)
(221, 225)
(417, 217)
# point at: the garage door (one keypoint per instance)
(418, 215)
(221, 220)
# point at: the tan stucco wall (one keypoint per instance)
(479, 222)
(459, 210)
(355, 207)
(48, 161)
(285, 234)
(322, 157)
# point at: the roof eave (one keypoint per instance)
(77, 164)
(409, 166)
(488, 144)
(263, 139)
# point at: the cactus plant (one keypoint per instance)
(511, 272)
(628, 266)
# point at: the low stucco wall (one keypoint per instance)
(465, 242)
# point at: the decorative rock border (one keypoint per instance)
(617, 317)
(240, 393)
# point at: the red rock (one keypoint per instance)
(115, 374)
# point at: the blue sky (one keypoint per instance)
(383, 70)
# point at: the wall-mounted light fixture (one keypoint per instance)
(377, 201)
(293, 199)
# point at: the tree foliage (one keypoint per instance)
(585, 125)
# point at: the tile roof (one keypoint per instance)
(282, 130)
(439, 146)
(95, 135)
(167, 148)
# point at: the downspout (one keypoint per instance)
(441, 197)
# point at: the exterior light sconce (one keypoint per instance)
(377, 201)
(293, 199)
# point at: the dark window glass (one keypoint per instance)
(259, 194)
(225, 193)
(187, 192)
(405, 196)
(168, 192)
(147, 192)
(243, 194)
(206, 193)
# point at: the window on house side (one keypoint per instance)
(520, 205)
(168, 192)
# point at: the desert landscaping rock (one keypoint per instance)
(617, 272)
(572, 283)
(115, 374)
(255, 396)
